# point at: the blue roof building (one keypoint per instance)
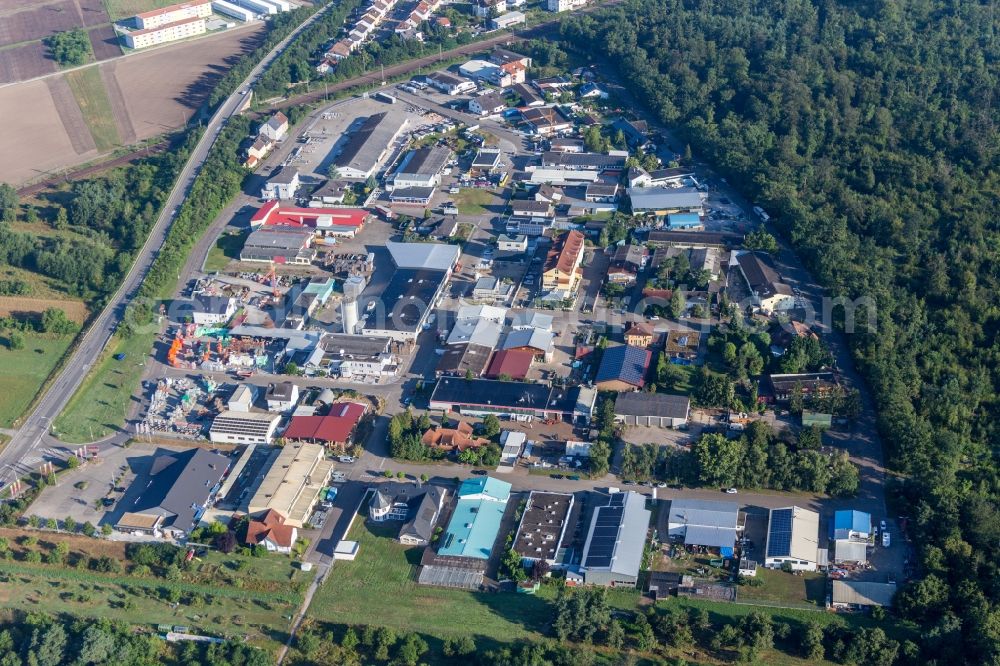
(848, 524)
(680, 221)
(622, 368)
(475, 522)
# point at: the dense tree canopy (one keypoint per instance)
(869, 131)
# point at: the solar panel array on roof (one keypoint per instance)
(779, 535)
(606, 525)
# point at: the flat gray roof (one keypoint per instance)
(709, 513)
(653, 404)
(644, 198)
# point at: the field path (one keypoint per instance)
(70, 114)
(118, 106)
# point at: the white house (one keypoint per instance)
(282, 397)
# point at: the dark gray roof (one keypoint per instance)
(457, 359)
(695, 238)
(761, 275)
(354, 346)
(406, 299)
(653, 404)
(200, 304)
(582, 160)
(181, 484)
(280, 391)
(488, 392)
(366, 144)
(423, 516)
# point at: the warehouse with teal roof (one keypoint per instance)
(475, 522)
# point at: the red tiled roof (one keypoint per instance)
(563, 256)
(270, 526)
(335, 428)
(512, 362)
(273, 213)
(459, 438)
(640, 328)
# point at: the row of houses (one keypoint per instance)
(365, 27)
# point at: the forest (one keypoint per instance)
(869, 131)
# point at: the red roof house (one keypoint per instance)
(334, 429)
(271, 532)
(326, 221)
(514, 363)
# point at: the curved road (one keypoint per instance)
(94, 340)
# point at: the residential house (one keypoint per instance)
(529, 96)
(270, 531)
(782, 387)
(566, 145)
(518, 243)
(502, 56)
(640, 334)
(275, 128)
(204, 310)
(545, 121)
(282, 185)
(487, 105)
(561, 271)
(769, 292)
(622, 368)
(485, 8)
(603, 190)
(457, 439)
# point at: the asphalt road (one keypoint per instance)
(15, 458)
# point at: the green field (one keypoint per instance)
(226, 249)
(217, 599)
(473, 201)
(119, 9)
(780, 587)
(380, 588)
(90, 94)
(99, 406)
(23, 371)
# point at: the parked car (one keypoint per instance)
(573, 477)
(882, 525)
(556, 476)
(885, 540)
(480, 472)
(346, 459)
(731, 491)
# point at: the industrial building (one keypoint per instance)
(521, 401)
(706, 523)
(658, 410)
(335, 428)
(167, 32)
(860, 595)
(543, 526)
(293, 482)
(422, 271)
(612, 553)
(342, 221)
(283, 245)
(475, 521)
(793, 540)
(662, 201)
(182, 485)
(852, 534)
(420, 168)
(184, 11)
(239, 427)
(203, 310)
(365, 148)
(232, 10)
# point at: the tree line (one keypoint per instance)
(867, 130)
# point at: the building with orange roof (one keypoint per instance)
(562, 264)
(271, 532)
(458, 438)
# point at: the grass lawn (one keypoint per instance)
(23, 371)
(101, 403)
(379, 588)
(473, 201)
(779, 587)
(119, 9)
(227, 248)
(88, 89)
